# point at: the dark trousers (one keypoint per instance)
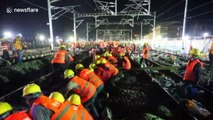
(57, 75)
(211, 60)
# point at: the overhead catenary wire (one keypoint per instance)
(200, 14)
(188, 11)
(170, 8)
(163, 5)
(41, 7)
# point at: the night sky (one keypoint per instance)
(30, 24)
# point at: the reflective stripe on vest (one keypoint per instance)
(62, 113)
(91, 77)
(85, 89)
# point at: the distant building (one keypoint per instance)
(171, 29)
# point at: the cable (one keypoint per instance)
(88, 4)
(170, 8)
(201, 14)
(200, 6)
(35, 4)
(163, 5)
(188, 10)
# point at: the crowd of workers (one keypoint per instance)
(82, 86)
(17, 50)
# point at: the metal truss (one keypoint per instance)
(106, 7)
(62, 10)
(137, 7)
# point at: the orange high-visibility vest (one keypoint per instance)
(112, 60)
(59, 57)
(85, 89)
(22, 115)
(126, 63)
(145, 53)
(103, 74)
(69, 111)
(90, 76)
(189, 74)
(47, 103)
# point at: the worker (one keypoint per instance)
(114, 71)
(145, 53)
(7, 113)
(124, 62)
(42, 107)
(211, 57)
(18, 47)
(193, 73)
(110, 58)
(5, 48)
(92, 66)
(101, 71)
(60, 63)
(72, 109)
(85, 89)
(90, 76)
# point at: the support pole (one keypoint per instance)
(116, 7)
(50, 24)
(96, 35)
(87, 28)
(141, 31)
(154, 25)
(131, 35)
(184, 23)
(74, 25)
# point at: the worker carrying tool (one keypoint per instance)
(60, 63)
(8, 113)
(193, 73)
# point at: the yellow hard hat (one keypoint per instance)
(107, 54)
(63, 46)
(57, 96)
(92, 65)
(5, 107)
(195, 52)
(79, 66)
(75, 99)
(31, 89)
(103, 61)
(68, 73)
(97, 56)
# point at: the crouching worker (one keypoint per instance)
(7, 113)
(90, 76)
(85, 89)
(72, 109)
(42, 107)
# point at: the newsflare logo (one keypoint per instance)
(9, 9)
(21, 10)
